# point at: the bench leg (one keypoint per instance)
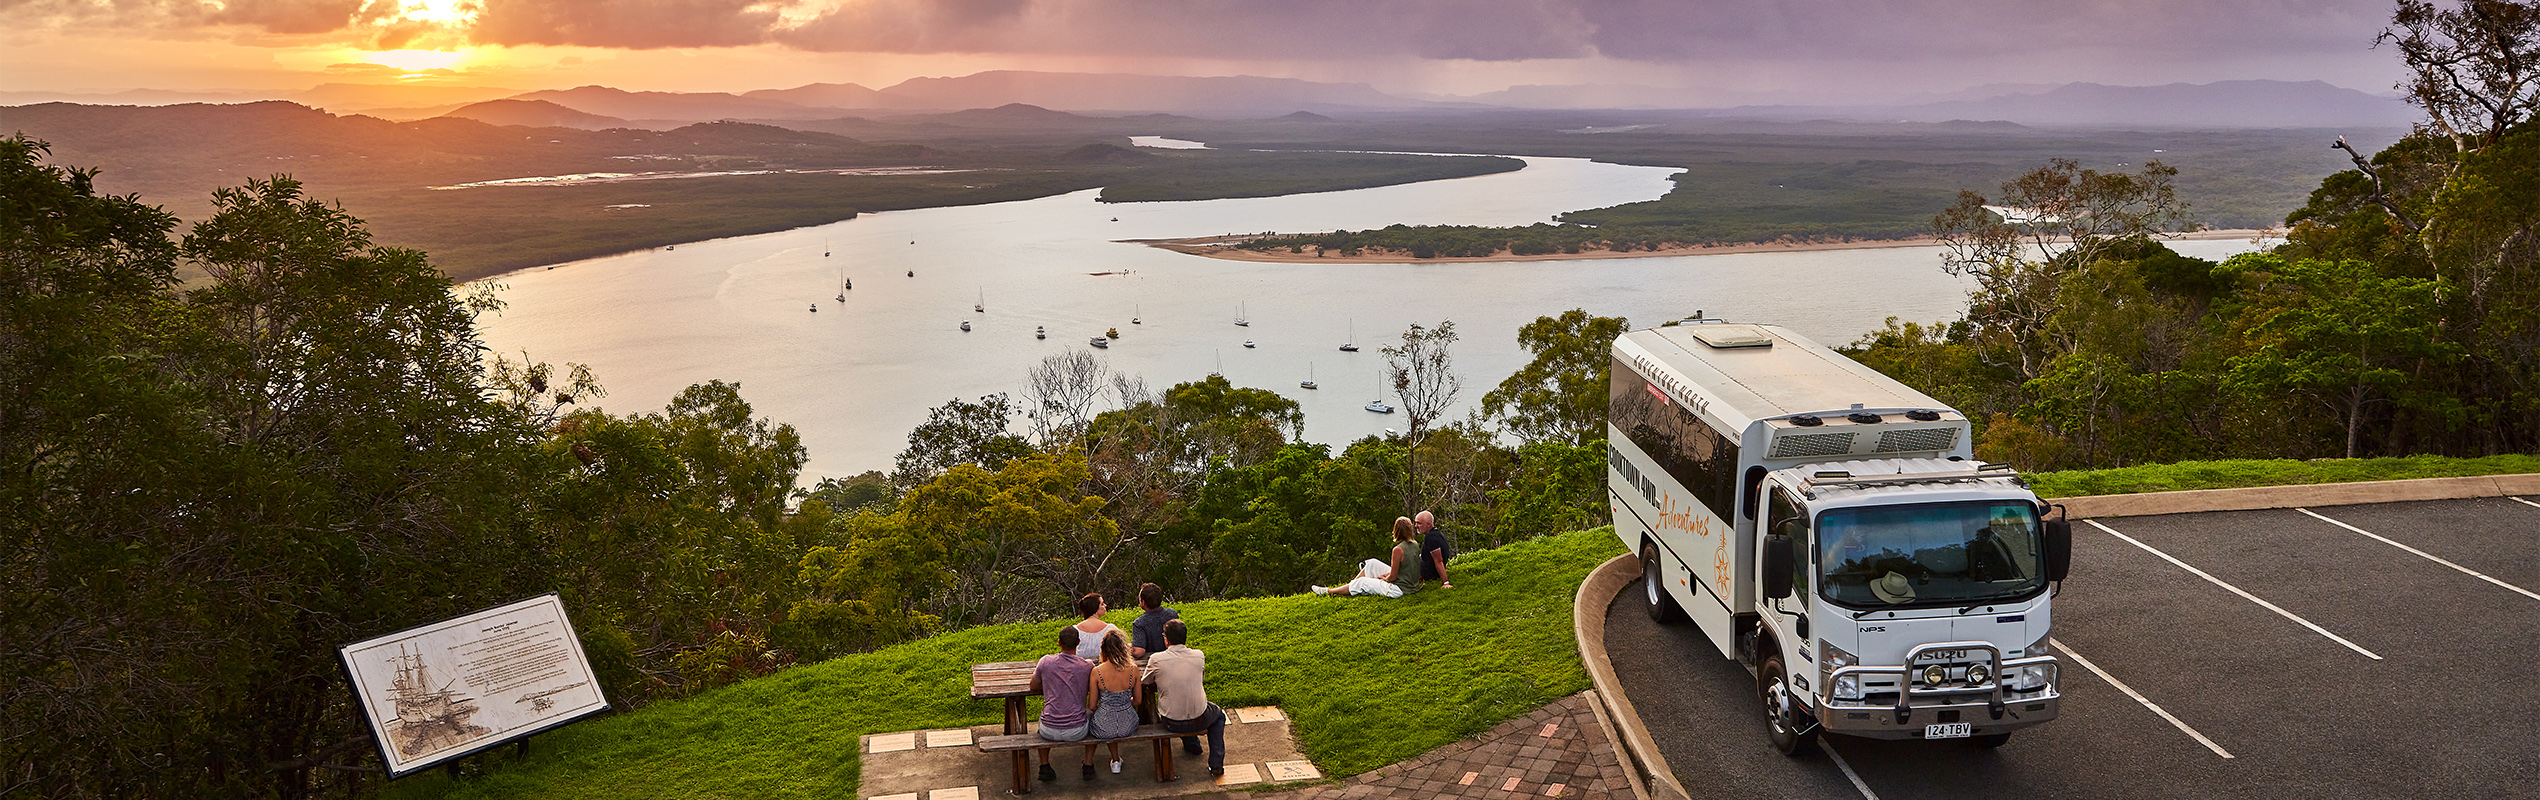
(1022, 772)
(1164, 768)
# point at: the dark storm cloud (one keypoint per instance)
(1478, 29)
(1911, 30)
(1658, 31)
(1644, 30)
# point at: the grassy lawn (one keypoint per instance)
(1366, 681)
(2270, 472)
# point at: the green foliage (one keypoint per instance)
(213, 491)
(669, 527)
(2233, 474)
(1559, 396)
(1212, 174)
(960, 433)
(1421, 672)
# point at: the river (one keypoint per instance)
(856, 376)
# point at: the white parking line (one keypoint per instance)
(2129, 691)
(1846, 766)
(2428, 556)
(2236, 590)
(2524, 502)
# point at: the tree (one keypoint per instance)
(208, 493)
(669, 529)
(1560, 395)
(2339, 333)
(1423, 372)
(960, 433)
(1061, 391)
(2019, 246)
(2474, 68)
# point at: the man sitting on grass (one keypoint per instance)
(1182, 704)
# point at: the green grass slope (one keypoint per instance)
(2233, 474)
(1366, 681)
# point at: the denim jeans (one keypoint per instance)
(1214, 722)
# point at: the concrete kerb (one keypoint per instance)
(1609, 579)
(1587, 621)
(2314, 494)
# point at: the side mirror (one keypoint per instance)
(1777, 558)
(2059, 549)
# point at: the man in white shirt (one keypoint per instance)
(1182, 700)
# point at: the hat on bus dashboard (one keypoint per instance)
(1893, 588)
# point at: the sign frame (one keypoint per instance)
(393, 658)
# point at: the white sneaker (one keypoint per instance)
(1319, 590)
(1115, 767)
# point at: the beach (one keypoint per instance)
(1228, 248)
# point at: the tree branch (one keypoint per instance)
(2378, 195)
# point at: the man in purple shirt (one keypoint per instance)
(1060, 679)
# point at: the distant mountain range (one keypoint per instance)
(2224, 104)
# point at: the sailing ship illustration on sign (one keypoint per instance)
(428, 719)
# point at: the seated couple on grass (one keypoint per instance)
(1407, 564)
(1085, 700)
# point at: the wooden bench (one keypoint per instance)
(1022, 745)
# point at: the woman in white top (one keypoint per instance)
(1093, 627)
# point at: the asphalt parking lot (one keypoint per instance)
(2322, 652)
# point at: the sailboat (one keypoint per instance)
(1350, 345)
(1136, 312)
(815, 308)
(1240, 320)
(1308, 383)
(1378, 405)
(982, 307)
(1220, 371)
(843, 286)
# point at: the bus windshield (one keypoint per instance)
(1929, 554)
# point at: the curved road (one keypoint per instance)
(2433, 692)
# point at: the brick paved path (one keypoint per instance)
(1560, 751)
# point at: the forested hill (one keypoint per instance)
(733, 178)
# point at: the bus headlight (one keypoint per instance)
(1831, 658)
(1977, 674)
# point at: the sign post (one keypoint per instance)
(451, 688)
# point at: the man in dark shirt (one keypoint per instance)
(1434, 551)
(1146, 634)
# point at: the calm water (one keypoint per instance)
(855, 377)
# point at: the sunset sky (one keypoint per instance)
(1809, 49)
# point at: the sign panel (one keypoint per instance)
(450, 688)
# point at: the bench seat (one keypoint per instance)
(1022, 745)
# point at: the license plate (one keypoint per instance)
(1948, 730)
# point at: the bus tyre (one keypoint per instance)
(1662, 606)
(1782, 721)
(1990, 740)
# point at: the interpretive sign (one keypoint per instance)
(450, 688)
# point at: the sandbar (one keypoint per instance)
(1225, 247)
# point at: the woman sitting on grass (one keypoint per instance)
(1114, 694)
(1385, 579)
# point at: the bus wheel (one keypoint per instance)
(1782, 721)
(1662, 606)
